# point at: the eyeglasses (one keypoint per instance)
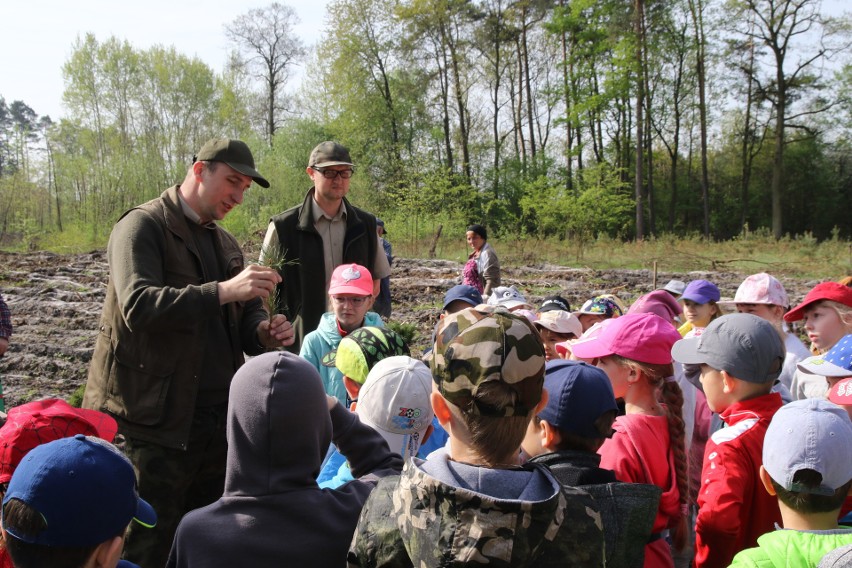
(356, 301)
(331, 174)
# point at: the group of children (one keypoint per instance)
(556, 438)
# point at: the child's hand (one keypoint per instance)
(331, 401)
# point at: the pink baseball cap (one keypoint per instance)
(351, 279)
(826, 291)
(760, 289)
(646, 338)
(657, 302)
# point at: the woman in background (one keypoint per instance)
(482, 270)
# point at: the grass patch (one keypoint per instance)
(801, 256)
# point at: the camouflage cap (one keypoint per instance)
(479, 345)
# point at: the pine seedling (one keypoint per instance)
(275, 257)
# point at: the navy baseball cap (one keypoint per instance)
(463, 292)
(578, 394)
(83, 487)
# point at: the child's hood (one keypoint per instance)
(468, 513)
(278, 426)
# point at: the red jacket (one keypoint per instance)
(733, 506)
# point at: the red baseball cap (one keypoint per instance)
(826, 291)
(646, 338)
(35, 423)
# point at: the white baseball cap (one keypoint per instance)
(395, 401)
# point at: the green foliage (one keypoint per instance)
(517, 115)
(407, 331)
(601, 204)
(76, 398)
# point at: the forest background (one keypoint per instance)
(554, 123)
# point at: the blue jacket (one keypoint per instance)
(324, 339)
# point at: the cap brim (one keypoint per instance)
(327, 164)
(398, 443)
(686, 351)
(145, 514)
(347, 289)
(817, 365)
(512, 304)
(251, 172)
(698, 299)
(564, 347)
(798, 312)
(472, 303)
(576, 331)
(591, 348)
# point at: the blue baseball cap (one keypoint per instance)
(578, 394)
(701, 292)
(83, 487)
(836, 363)
(463, 292)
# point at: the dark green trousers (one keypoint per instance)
(175, 482)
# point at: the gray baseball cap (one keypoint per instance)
(809, 434)
(744, 345)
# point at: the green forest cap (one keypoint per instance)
(235, 153)
(330, 154)
(483, 344)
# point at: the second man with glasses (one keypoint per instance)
(318, 235)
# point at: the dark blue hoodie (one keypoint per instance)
(272, 512)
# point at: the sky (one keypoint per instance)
(36, 36)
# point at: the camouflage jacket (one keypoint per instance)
(417, 520)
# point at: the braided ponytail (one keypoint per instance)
(672, 398)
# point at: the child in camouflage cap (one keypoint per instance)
(472, 502)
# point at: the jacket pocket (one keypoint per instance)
(138, 384)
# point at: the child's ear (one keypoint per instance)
(550, 436)
(352, 388)
(729, 385)
(766, 479)
(108, 553)
(439, 406)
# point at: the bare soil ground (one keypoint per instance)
(56, 303)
